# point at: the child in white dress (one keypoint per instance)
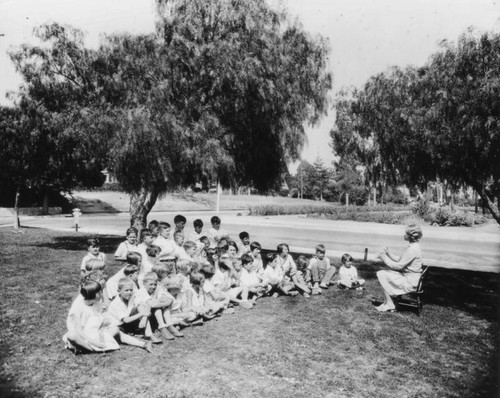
(89, 330)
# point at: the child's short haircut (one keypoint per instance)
(198, 223)
(95, 276)
(208, 270)
(282, 246)
(95, 264)
(145, 232)
(179, 218)
(224, 262)
(173, 282)
(244, 235)
(345, 258)
(149, 277)
(196, 278)
(90, 289)
(246, 259)
(222, 248)
(131, 230)
(163, 226)
(153, 250)
(232, 243)
(93, 242)
(125, 282)
(255, 245)
(134, 258)
(204, 239)
(270, 257)
(320, 248)
(130, 269)
(161, 270)
(302, 262)
(215, 220)
(183, 265)
(188, 245)
(153, 224)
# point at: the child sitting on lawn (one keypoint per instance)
(348, 274)
(224, 279)
(159, 306)
(89, 330)
(93, 254)
(322, 271)
(129, 317)
(244, 243)
(250, 278)
(129, 245)
(196, 301)
(255, 249)
(216, 233)
(196, 235)
(273, 278)
(180, 222)
(164, 240)
(128, 271)
(173, 285)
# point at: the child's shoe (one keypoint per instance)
(199, 322)
(246, 304)
(323, 286)
(174, 331)
(148, 347)
(293, 293)
(165, 334)
(154, 339)
(306, 295)
(276, 295)
(316, 290)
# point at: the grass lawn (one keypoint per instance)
(110, 201)
(334, 345)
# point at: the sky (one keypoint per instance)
(365, 36)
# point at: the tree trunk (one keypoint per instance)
(487, 202)
(141, 204)
(17, 224)
(45, 205)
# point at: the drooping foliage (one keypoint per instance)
(221, 91)
(438, 121)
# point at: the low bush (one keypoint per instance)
(445, 217)
(381, 217)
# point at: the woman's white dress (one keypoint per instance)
(404, 276)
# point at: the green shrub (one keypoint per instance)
(421, 208)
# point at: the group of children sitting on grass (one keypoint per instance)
(169, 283)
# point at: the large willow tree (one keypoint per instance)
(441, 120)
(222, 90)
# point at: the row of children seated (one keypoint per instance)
(168, 284)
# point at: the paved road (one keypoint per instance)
(461, 248)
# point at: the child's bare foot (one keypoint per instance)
(199, 322)
(323, 286)
(293, 293)
(275, 295)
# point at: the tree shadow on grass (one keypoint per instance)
(186, 197)
(476, 293)
(93, 205)
(108, 243)
(8, 388)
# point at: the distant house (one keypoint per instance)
(110, 178)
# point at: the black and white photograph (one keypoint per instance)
(249, 198)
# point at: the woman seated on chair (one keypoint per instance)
(405, 272)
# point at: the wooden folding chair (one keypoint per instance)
(413, 300)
